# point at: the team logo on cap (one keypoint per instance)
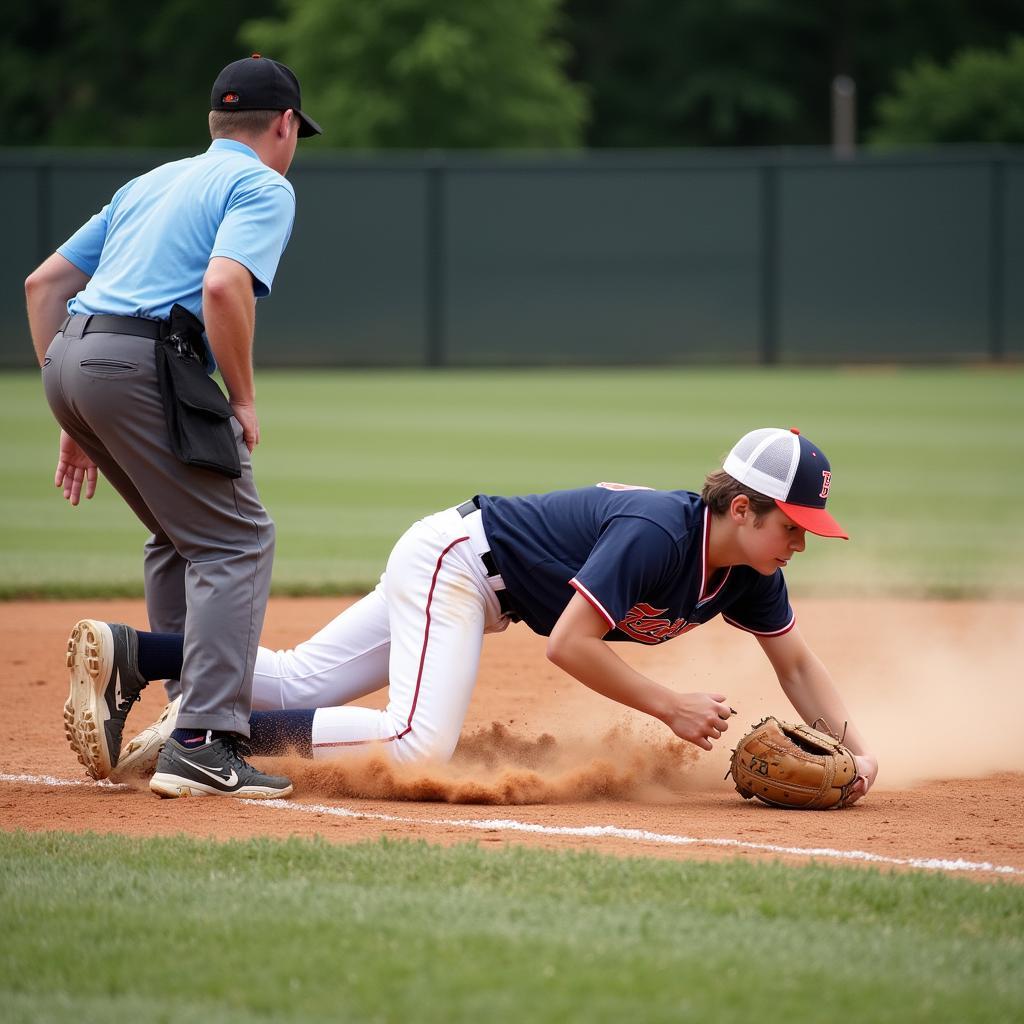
(826, 483)
(229, 97)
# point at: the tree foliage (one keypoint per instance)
(756, 72)
(429, 73)
(487, 73)
(978, 97)
(109, 73)
(704, 72)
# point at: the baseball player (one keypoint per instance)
(586, 568)
(190, 240)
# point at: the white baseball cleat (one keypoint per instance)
(140, 756)
(102, 660)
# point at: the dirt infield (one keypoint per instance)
(544, 761)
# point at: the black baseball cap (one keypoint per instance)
(259, 83)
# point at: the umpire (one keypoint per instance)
(156, 288)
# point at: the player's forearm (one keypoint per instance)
(47, 290)
(229, 313)
(595, 665)
(814, 695)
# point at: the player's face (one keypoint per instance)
(773, 542)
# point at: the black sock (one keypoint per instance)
(161, 655)
(282, 732)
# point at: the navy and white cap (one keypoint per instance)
(784, 465)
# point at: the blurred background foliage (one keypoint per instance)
(530, 74)
(429, 73)
(979, 97)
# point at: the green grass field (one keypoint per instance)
(109, 928)
(928, 467)
(927, 477)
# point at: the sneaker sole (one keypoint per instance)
(85, 711)
(170, 787)
(142, 753)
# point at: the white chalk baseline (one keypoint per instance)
(635, 835)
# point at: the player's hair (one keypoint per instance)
(226, 124)
(720, 489)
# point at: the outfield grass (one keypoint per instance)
(110, 928)
(927, 467)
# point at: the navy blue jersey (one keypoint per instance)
(637, 555)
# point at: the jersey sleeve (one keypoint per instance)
(763, 608)
(255, 230)
(84, 247)
(631, 558)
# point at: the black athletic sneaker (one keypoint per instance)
(216, 768)
(105, 683)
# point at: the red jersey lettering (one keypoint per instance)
(643, 623)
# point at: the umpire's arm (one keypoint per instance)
(229, 314)
(47, 290)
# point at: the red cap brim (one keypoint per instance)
(813, 520)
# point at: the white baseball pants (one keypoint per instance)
(419, 633)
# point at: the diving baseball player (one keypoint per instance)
(587, 568)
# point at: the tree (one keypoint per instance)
(107, 73)
(978, 97)
(480, 73)
(756, 72)
(429, 73)
(704, 72)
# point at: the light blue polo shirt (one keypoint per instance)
(149, 247)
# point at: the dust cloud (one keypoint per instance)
(936, 688)
(941, 694)
(499, 767)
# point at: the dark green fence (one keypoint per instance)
(610, 258)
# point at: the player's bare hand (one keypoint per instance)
(74, 470)
(699, 718)
(245, 413)
(867, 772)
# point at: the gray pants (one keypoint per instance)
(208, 562)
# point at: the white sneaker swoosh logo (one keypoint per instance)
(119, 702)
(227, 780)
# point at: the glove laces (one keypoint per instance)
(825, 727)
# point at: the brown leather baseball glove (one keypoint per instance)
(795, 766)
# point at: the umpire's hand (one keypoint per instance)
(74, 468)
(245, 413)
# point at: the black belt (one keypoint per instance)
(104, 323)
(467, 508)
